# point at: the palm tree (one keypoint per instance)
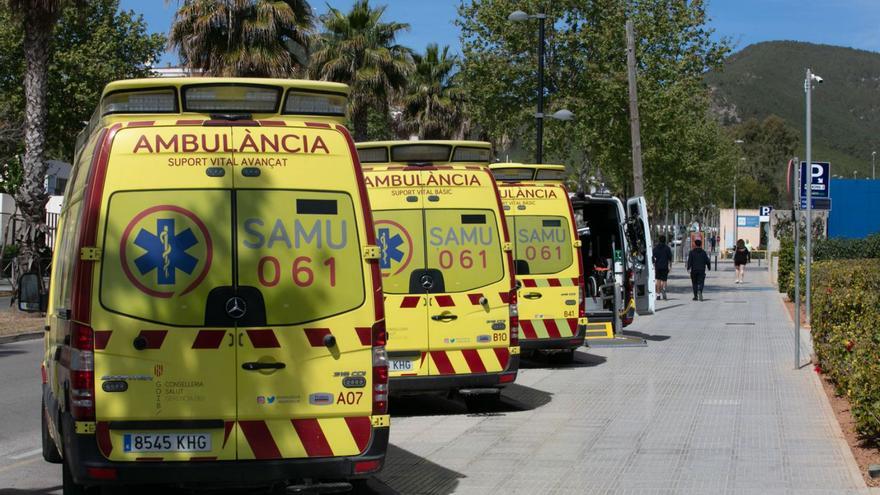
(432, 106)
(256, 38)
(359, 49)
(38, 17)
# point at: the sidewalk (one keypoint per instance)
(712, 405)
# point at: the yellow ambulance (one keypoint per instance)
(215, 314)
(546, 256)
(446, 267)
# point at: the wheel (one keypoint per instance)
(50, 450)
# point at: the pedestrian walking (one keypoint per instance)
(712, 242)
(662, 256)
(741, 257)
(698, 263)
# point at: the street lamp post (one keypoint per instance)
(735, 211)
(873, 170)
(808, 180)
(520, 16)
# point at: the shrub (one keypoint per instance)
(846, 334)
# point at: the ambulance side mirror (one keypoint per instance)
(30, 294)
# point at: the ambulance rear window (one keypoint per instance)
(542, 242)
(513, 174)
(471, 154)
(465, 246)
(301, 250)
(405, 153)
(159, 100)
(551, 175)
(206, 98)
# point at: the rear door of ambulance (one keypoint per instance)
(639, 237)
(467, 272)
(397, 200)
(547, 261)
(304, 363)
(165, 368)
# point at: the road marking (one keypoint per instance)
(18, 464)
(25, 454)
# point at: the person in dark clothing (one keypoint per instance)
(697, 263)
(741, 258)
(662, 256)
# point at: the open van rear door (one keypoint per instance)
(638, 232)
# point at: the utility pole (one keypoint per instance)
(666, 222)
(795, 215)
(638, 181)
(808, 180)
(539, 117)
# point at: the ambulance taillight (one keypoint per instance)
(513, 312)
(82, 373)
(582, 304)
(380, 369)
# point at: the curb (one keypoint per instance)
(8, 339)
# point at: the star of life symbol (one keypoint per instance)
(389, 245)
(166, 251)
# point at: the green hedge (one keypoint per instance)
(823, 249)
(846, 334)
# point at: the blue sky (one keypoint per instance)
(853, 23)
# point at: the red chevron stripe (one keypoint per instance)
(505, 297)
(365, 334)
(209, 339)
(316, 336)
(576, 281)
(410, 301)
(312, 437)
(360, 430)
(472, 356)
(441, 361)
(154, 338)
(260, 439)
(528, 329)
(552, 329)
(272, 123)
(102, 337)
(263, 339)
(190, 122)
(475, 298)
(573, 325)
(529, 282)
(554, 282)
(503, 355)
(444, 301)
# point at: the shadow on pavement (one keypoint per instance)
(4, 351)
(406, 472)
(652, 338)
(669, 307)
(514, 398)
(30, 491)
(555, 361)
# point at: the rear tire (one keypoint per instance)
(50, 450)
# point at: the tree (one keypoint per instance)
(767, 146)
(585, 71)
(92, 44)
(243, 38)
(358, 49)
(432, 105)
(37, 19)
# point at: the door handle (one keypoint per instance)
(231, 339)
(444, 317)
(533, 295)
(256, 366)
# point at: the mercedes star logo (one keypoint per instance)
(236, 307)
(427, 282)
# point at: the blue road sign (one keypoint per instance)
(818, 203)
(820, 183)
(748, 221)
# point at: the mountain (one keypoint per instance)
(768, 78)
